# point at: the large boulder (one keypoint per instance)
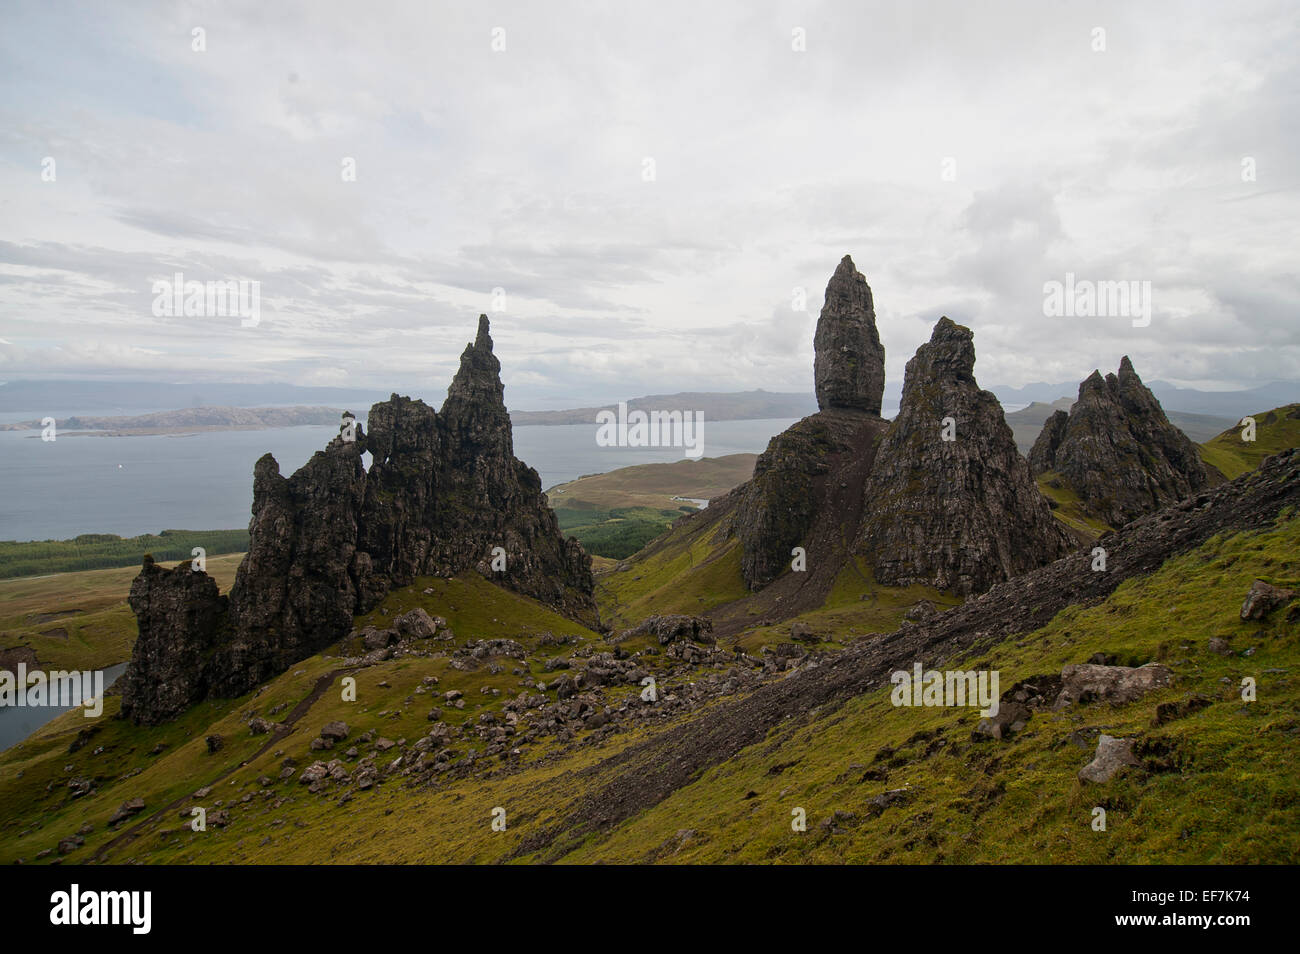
(1117, 685)
(670, 629)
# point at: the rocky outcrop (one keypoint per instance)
(670, 629)
(181, 617)
(849, 361)
(443, 493)
(1117, 450)
(445, 490)
(950, 502)
(302, 579)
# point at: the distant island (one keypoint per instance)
(188, 420)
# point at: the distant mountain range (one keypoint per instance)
(1222, 404)
(83, 396)
(51, 397)
(190, 419)
(716, 406)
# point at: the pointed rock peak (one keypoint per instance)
(849, 361)
(1092, 384)
(483, 341)
(479, 379)
(1126, 368)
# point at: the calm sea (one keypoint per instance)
(130, 485)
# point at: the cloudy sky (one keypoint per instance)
(507, 145)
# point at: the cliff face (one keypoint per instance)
(794, 476)
(443, 490)
(960, 513)
(1117, 450)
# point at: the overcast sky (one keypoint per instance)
(524, 168)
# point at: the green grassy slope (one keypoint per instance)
(1275, 431)
(1221, 784)
(1224, 785)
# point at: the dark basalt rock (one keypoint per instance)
(1117, 450)
(296, 589)
(849, 363)
(444, 489)
(962, 514)
(182, 617)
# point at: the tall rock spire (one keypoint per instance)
(849, 362)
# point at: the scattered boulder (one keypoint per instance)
(669, 629)
(337, 731)
(259, 726)
(1112, 755)
(1011, 718)
(373, 638)
(130, 807)
(1114, 684)
(1263, 598)
(416, 624)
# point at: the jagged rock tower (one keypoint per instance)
(849, 360)
(329, 542)
(962, 513)
(799, 478)
(1117, 450)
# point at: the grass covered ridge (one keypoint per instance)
(1275, 431)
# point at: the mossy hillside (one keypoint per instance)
(1275, 431)
(856, 606)
(691, 574)
(392, 700)
(1224, 785)
(1068, 508)
(1226, 788)
(81, 620)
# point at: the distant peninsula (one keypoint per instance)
(188, 420)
